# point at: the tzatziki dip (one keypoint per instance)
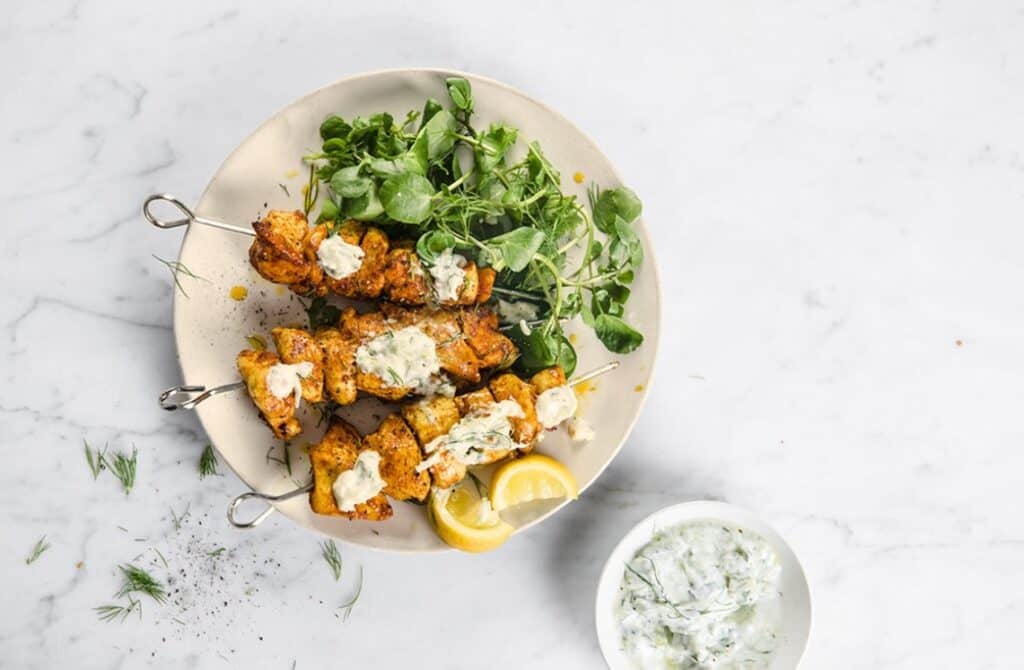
(701, 595)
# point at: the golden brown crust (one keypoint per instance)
(277, 252)
(510, 387)
(548, 379)
(486, 277)
(298, 346)
(431, 418)
(279, 413)
(339, 365)
(480, 327)
(400, 454)
(405, 281)
(334, 454)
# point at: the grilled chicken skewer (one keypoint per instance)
(433, 442)
(359, 261)
(391, 354)
(339, 453)
(350, 259)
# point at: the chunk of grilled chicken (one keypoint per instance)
(279, 413)
(278, 251)
(285, 252)
(297, 346)
(334, 454)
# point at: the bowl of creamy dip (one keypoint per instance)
(703, 585)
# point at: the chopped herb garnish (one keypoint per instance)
(396, 379)
(95, 459)
(178, 518)
(115, 612)
(37, 551)
(329, 551)
(256, 343)
(208, 463)
(285, 189)
(177, 268)
(137, 580)
(217, 552)
(347, 607)
(123, 467)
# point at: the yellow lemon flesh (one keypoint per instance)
(466, 521)
(533, 477)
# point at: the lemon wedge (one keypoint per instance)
(465, 520)
(533, 477)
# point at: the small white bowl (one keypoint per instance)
(796, 597)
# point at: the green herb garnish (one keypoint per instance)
(37, 551)
(114, 612)
(452, 186)
(177, 519)
(285, 189)
(208, 463)
(347, 607)
(321, 313)
(217, 552)
(329, 551)
(95, 459)
(177, 268)
(137, 580)
(123, 467)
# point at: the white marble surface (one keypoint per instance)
(836, 190)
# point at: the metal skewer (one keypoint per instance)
(190, 216)
(187, 397)
(271, 499)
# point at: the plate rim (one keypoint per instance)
(650, 259)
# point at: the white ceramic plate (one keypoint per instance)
(795, 598)
(210, 328)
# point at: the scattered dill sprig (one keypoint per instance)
(162, 559)
(177, 519)
(285, 189)
(396, 379)
(285, 459)
(95, 459)
(123, 467)
(208, 463)
(347, 607)
(216, 552)
(37, 551)
(329, 551)
(114, 612)
(311, 191)
(481, 488)
(256, 342)
(325, 410)
(137, 580)
(176, 268)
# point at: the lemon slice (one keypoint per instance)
(533, 477)
(466, 521)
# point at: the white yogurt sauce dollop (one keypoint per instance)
(477, 433)
(514, 312)
(359, 484)
(338, 258)
(701, 596)
(284, 380)
(405, 357)
(556, 405)
(448, 275)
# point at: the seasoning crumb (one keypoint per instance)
(959, 343)
(239, 293)
(573, 338)
(638, 388)
(79, 565)
(578, 177)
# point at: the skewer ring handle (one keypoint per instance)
(187, 397)
(165, 223)
(270, 509)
